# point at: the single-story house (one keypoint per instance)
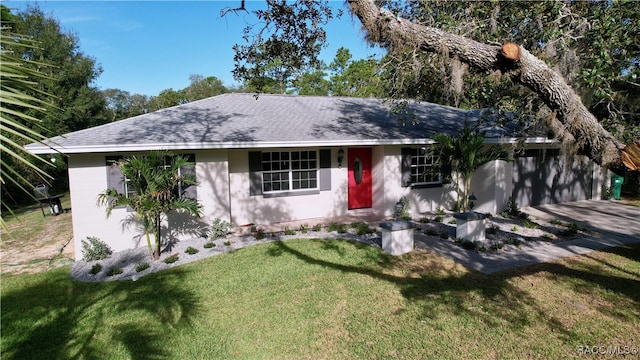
(278, 158)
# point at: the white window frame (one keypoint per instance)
(424, 158)
(290, 167)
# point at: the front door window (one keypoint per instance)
(357, 170)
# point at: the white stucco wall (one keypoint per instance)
(88, 178)
(421, 201)
(492, 184)
(259, 209)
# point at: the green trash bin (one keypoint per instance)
(616, 185)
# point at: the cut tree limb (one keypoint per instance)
(572, 124)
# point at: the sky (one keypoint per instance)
(145, 47)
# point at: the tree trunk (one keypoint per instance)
(572, 124)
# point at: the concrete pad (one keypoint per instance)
(614, 224)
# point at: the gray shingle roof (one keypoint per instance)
(240, 120)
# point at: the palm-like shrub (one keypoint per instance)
(461, 156)
(155, 178)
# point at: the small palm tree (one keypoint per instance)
(462, 155)
(155, 178)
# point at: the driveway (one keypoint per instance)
(610, 224)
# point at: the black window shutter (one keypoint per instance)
(190, 192)
(406, 167)
(325, 170)
(255, 173)
(115, 178)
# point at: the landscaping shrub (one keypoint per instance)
(191, 250)
(317, 228)
(171, 259)
(438, 219)
(113, 271)
(497, 246)
(571, 229)
(259, 234)
(288, 231)
(342, 228)
(529, 224)
(444, 234)
(513, 241)
(469, 245)
(424, 220)
(332, 227)
(96, 268)
(453, 221)
(493, 229)
(363, 229)
(304, 228)
(209, 245)
(142, 267)
(431, 232)
(220, 228)
(95, 249)
(227, 243)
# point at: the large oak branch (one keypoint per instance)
(573, 123)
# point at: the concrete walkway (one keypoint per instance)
(612, 224)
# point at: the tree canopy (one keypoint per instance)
(575, 67)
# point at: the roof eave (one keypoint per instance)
(41, 149)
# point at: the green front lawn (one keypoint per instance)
(327, 299)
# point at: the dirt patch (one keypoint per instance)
(51, 243)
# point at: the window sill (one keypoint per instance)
(426, 186)
(290, 193)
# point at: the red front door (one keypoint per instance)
(360, 182)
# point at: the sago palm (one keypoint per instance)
(155, 179)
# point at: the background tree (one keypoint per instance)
(18, 79)
(155, 178)
(417, 34)
(358, 78)
(202, 88)
(63, 82)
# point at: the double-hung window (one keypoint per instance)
(289, 170)
(420, 167)
(116, 179)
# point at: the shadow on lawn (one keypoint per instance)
(440, 286)
(57, 318)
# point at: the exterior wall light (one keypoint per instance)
(472, 198)
(340, 157)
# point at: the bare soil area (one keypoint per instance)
(51, 243)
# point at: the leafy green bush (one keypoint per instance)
(363, 229)
(96, 268)
(444, 234)
(469, 245)
(438, 219)
(571, 229)
(227, 243)
(497, 246)
(493, 229)
(209, 245)
(259, 234)
(95, 249)
(440, 211)
(556, 222)
(191, 250)
(317, 228)
(142, 267)
(171, 259)
(512, 207)
(453, 221)
(431, 232)
(304, 228)
(332, 227)
(113, 271)
(288, 231)
(529, 224)
(220, 228)
(513, 241)
(424, 220)
(514, 228)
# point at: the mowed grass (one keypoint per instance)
(327, 299)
